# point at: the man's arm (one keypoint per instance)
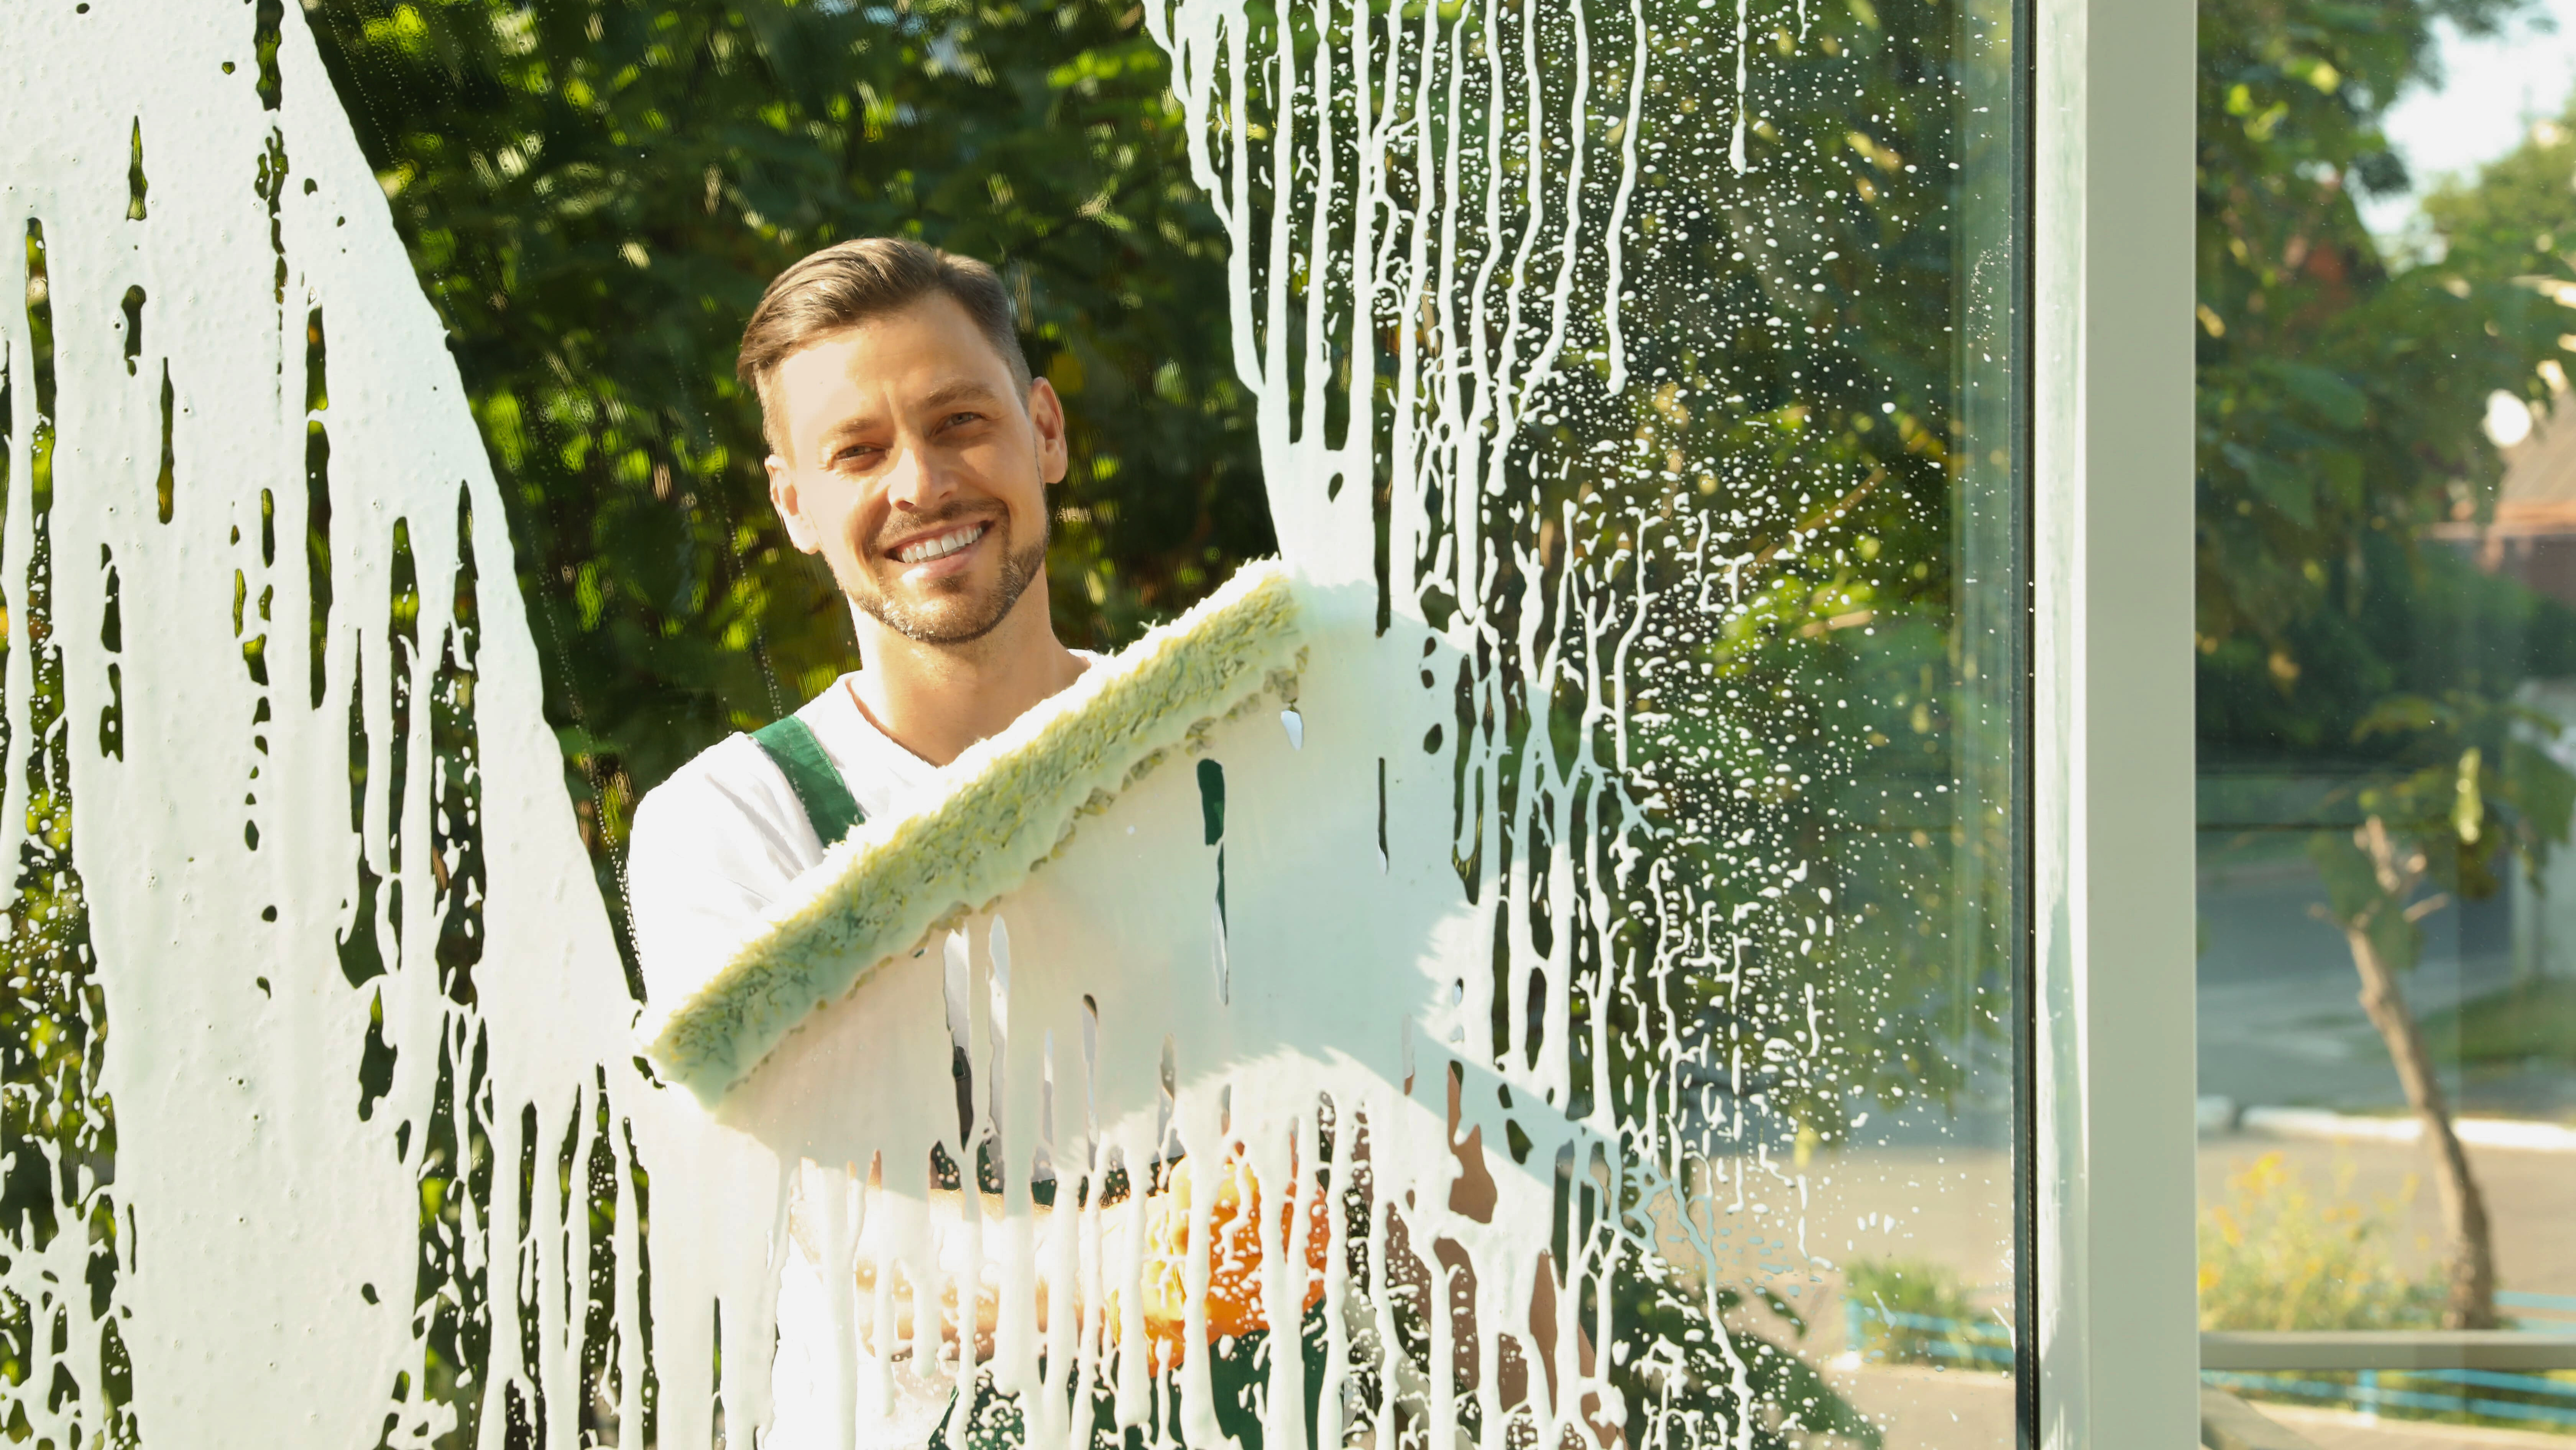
(712, 852)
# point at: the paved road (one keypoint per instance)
(2280, 1022)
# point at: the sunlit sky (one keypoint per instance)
(2491, 91)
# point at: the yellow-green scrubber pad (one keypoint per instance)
(1008, 804)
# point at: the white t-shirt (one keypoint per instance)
(715, 846)
(713, 850)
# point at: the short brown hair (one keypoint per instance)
(850, 282)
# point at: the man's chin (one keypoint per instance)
(954, 611)
(948, 620)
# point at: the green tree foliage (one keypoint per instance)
(1824, 693)
(2339, 400)
(594, 195)
(58, 1197)
(2340, 407)
(2515, 218)
(2340, 403)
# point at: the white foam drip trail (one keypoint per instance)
(1484, 278)
(252, 970)
(1743, 101)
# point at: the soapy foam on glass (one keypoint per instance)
(348, 957)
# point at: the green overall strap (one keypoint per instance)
(791, 746)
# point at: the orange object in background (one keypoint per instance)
(1235, 1254)
(1235, 1257)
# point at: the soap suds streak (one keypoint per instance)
(469, 1253)
(1511, 259)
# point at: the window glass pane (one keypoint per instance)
(1550, 942)
(2387, 987)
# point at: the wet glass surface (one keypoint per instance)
(2387, 1051)
(1639, 381)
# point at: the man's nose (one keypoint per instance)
(916, 482)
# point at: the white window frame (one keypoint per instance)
(2110, 378)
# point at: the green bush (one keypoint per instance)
(1915, 1311)
(2273, 1256)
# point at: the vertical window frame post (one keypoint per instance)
(2113, 1053)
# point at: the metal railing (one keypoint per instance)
(1925, 1338)
(2504, 1374)
(2484, 1394)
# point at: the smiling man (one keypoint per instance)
(911, 449)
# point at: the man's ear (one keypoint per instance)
(1046, 414)
(783, 497)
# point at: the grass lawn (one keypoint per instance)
(2535, 1020)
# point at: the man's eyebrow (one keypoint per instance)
(856, 423)
(963, 390)
(946, 395)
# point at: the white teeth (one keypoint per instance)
(942, 546)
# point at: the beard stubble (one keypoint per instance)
(953, 621)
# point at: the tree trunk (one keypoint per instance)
(2464, 1209)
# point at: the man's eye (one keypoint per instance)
(960, 420)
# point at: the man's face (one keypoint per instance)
(915, 466)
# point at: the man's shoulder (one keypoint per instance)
(731, 783)
(711, 849)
